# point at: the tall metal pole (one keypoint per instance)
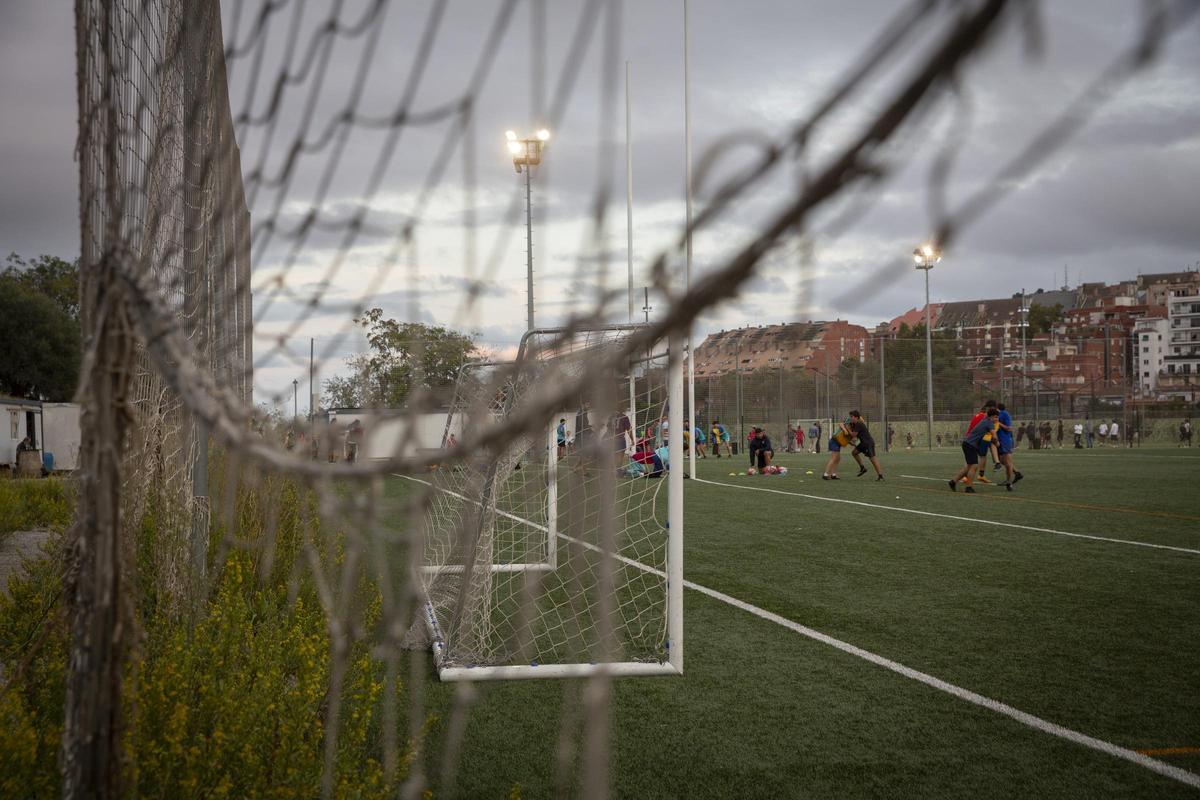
(295, 398)
(1024, 353)
(687, 171)
(628, 192)
(528, 249)
(629, 242)
(887, 440)
(310, 379)
(928, 364)
(782, 415)
(737, 366)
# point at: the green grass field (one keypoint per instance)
(1097, 635)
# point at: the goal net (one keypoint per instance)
(559, 553)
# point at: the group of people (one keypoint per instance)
(989, 432)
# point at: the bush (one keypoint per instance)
(230, 702)
(27, 503)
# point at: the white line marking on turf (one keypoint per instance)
(1025, 718)
(972, 520)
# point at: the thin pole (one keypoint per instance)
(928, 364)
(738, 386)
(629, 242)
(687, 171)
(628, 192)
(887, 443)
(528, 249)
(1024, 356)
(782, 416)
(310, 379)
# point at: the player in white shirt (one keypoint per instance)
(1078, 435)
(1113, 431)
(1103, 431)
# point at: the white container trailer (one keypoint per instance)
(61, 437)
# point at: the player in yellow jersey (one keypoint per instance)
(842, 436)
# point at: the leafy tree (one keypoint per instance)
(1043, 318)
(404, 356)
(50, 276)
(40, 355)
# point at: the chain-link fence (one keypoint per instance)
(1055, 381)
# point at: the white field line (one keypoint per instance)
(1066, 451)
(1025, 718)
(972, 520)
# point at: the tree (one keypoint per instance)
(1043, 318)
(404, 356)
(49, 276)
(39, 343)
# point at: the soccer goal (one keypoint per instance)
(559, 553)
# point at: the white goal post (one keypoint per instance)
(561, 553)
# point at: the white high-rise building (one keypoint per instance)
(1182, 355)
(1151, 336)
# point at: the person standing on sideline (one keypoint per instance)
(800, 438)
(814, 433)
(789, 444)
(1185, 433)
(1114, 431)
(1060, 433)
(1088, 433)
(1078, 435)
(1102, 432)
(974, 444)
(865, 446)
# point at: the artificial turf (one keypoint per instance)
(1099, 636)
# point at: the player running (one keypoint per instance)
(975, 443)
(865, 446)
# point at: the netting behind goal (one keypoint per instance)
(550, 556)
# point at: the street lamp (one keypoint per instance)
(527, 153)
(925, 257)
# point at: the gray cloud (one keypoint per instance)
(1121, 197)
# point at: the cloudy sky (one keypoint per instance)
(1121, 197)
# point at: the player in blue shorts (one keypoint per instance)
(841, 438)
(1004, 448)
(974, 444)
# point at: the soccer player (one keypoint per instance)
(1102, 432)
(700, 442)
(975, 420)
(1113, 431)
(1078, 435)
(977, 440)
(1004, 446)
(841, 438)
(865, 446)
(814, 433)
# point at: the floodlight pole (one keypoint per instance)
(528, 249)
(925, 257)
(527, 154)
(295, 398)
